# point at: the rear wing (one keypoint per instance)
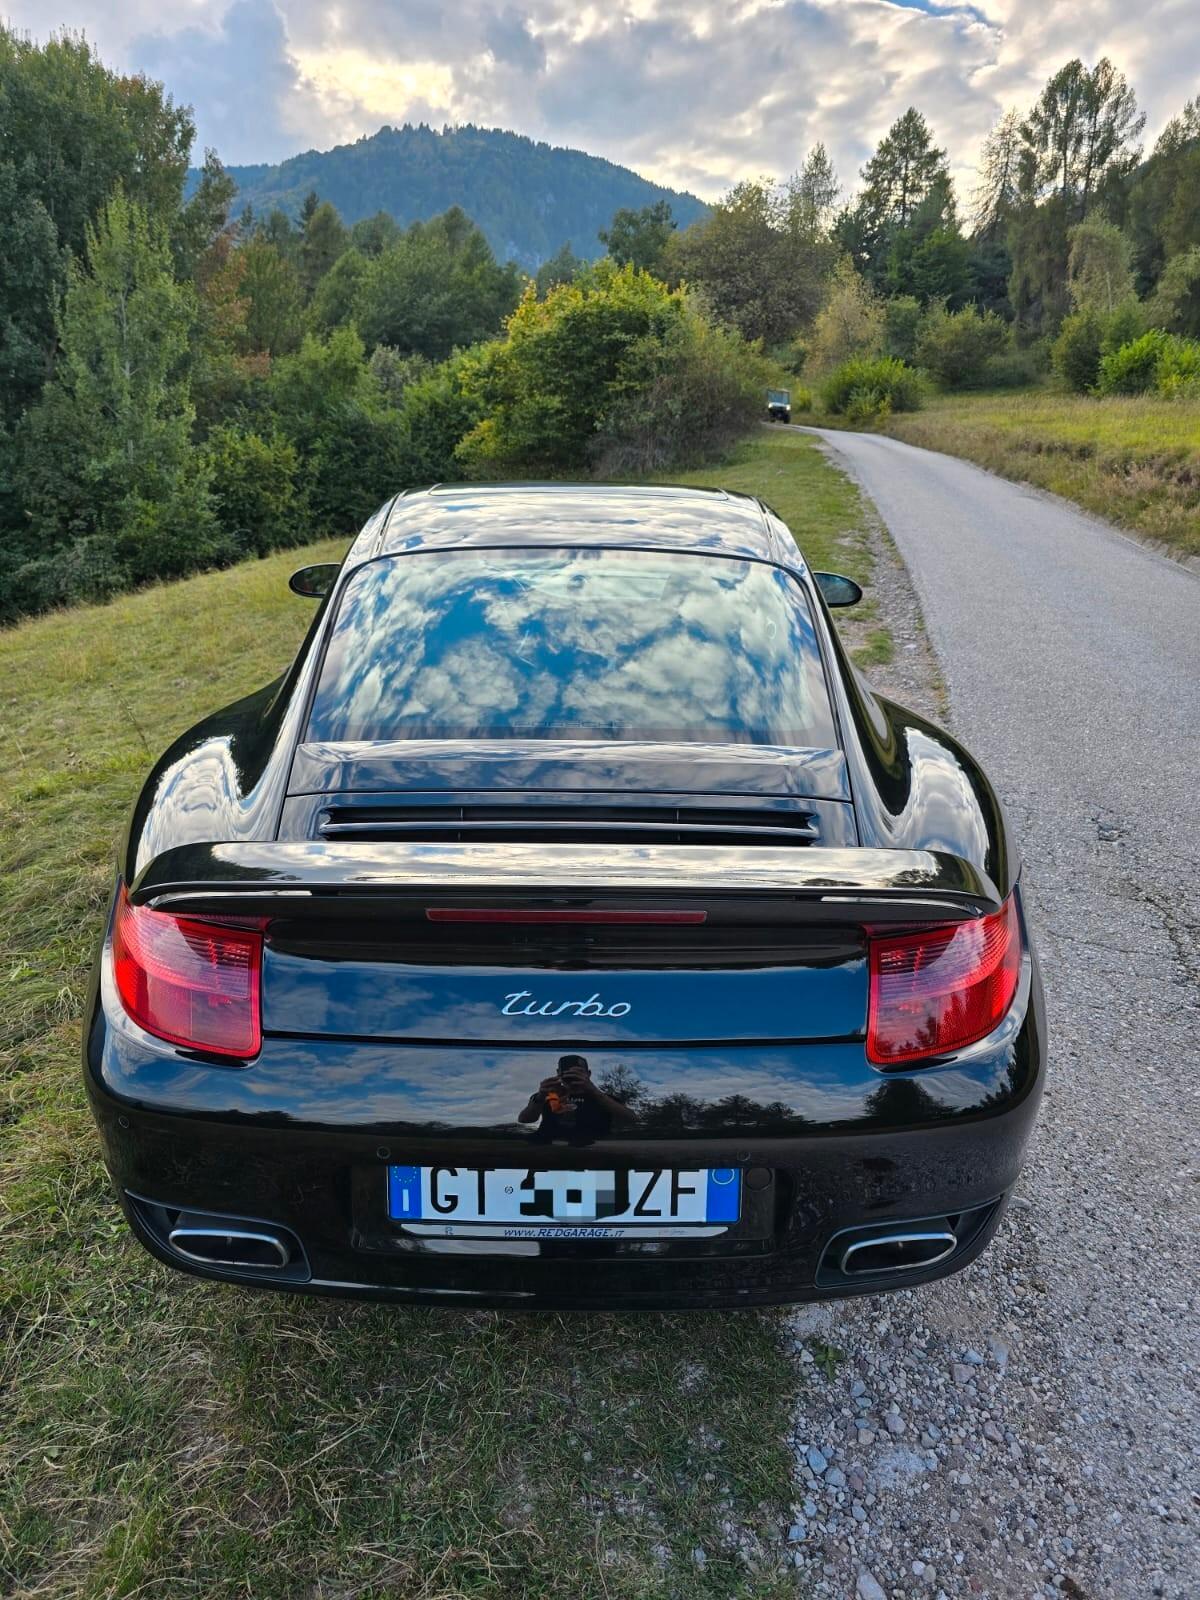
(784, 884)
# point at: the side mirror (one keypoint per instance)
(314, 583)
(837, 590)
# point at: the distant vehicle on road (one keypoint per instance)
(779, 405)
(569, 927)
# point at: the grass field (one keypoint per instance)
(1134, 461)
(165, 1438)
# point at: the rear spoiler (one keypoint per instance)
(334, 879)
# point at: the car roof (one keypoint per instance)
(644, 516)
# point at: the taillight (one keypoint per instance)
(936, 990)
(190, 982)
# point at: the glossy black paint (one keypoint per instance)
(387, 1042)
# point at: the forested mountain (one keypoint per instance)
(528, 198)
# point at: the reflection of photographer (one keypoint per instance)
(570, 1106)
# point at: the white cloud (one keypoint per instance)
(692, 93)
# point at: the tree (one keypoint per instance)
(930, 258)
(107, 461)
(906, 182)
(1099, 274)
(997, 194)
(1161, 214)
(1076, 151)
(1175, 304)
(351, 444)
(333, 304)
(561, 267)
(275, 299)
(761, 258)
(639, 238)
(87, 130)
(71, 132)
(34, 266)
(1080, 129)
(325, 239)
(205, 217)
(373, 235)
(437, 287)
(851, 321)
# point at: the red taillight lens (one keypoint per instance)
(193, 983)
(938, 989)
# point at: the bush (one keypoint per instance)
(1015, 369)
(1177, 374)
(867, 407)
(1133, 368)
(955, 346)
(892, 380)
(679, 399)
(1076, 352)
(802, 399)
(254, 490)
(614, 370)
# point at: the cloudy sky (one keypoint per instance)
(694, 93)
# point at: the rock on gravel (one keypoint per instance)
(1049, 1393)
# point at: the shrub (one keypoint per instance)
(679, 399)
(802, 400)
(1177, 374)
(1122, 326)
(867, 407)
(955, 345)
(1076, 352)
(1014, 369)
(1132, 368)
(891, 379)
(254, 490)
(614, 370)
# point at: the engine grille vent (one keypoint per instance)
(545, 824)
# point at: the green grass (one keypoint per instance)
(1134, 461)
(165, 1438)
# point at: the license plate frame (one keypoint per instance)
(549, 1203)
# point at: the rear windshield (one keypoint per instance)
(572, 644)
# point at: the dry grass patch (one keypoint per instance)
(1134, 461)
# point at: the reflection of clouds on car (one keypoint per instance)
(559, 642)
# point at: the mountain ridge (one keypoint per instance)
(529, 197)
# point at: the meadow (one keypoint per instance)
(165, 1437)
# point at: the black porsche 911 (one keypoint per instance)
(570, 926)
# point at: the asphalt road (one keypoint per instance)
(1072, 660)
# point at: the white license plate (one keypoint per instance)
(529, 1203)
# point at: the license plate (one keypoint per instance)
(528, 1203)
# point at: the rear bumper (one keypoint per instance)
(303, 1137)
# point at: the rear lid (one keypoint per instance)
(672, 771)
(560, 944)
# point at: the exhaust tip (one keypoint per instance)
(897, 1252)
(211, 1245)
(242, 1247)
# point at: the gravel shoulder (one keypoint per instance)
(1029, 1427)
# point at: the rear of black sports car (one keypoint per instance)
(570, 928)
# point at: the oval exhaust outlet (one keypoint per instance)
(897, 1252)
(213, 1246)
